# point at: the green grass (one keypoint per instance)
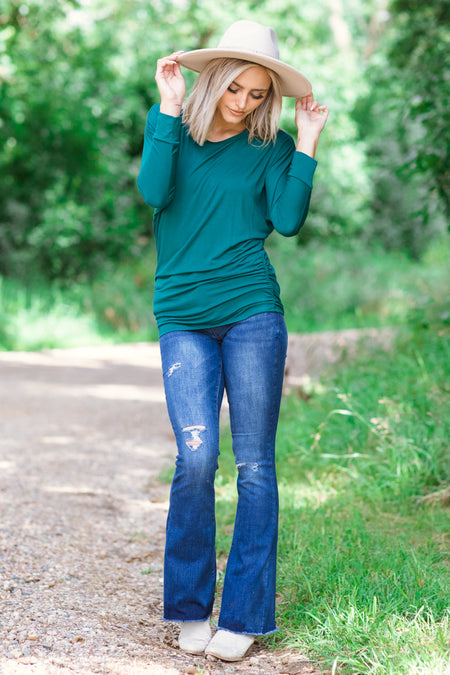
(322, 287)
(115, 307)
(363, 467)
(363, 463)
(42, 318)
(353, 285)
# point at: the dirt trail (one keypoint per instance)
(84, 435)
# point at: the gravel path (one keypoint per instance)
(84, 435)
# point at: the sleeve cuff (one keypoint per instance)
(303, 167)
(167, 128)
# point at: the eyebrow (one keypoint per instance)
(240, 87)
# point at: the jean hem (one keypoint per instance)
(186, 620)
(246, 632)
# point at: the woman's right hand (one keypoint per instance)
(171, 84)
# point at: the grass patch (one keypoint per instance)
(322, 287)
(363, 464)
(115, 307)
(363, 467)
(43, 318)
(353, 286)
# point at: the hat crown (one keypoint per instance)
(252, 37)
(250, 41)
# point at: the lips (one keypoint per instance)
(237, 113)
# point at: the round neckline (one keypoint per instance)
(230, 138)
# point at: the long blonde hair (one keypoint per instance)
(200, 106)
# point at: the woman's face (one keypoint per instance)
(244, 95)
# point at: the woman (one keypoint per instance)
(221, 177)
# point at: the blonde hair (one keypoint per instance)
(209, 87)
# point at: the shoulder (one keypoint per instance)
(282, 149)
(284, 141)
(281, 144)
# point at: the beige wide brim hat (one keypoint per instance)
(253, 42)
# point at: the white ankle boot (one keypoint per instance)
(194, 636)
(229, 646)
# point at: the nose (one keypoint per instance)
(241, 100)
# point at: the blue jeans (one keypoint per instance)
(247, 358)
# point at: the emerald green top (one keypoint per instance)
(214, 206)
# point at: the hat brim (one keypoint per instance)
(293, 83)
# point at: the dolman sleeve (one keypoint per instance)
(156, 180)
(288, 187)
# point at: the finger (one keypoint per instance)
(167, 68)
(174, 55)
(173, 58)
(307, 100)
(162, 65)
(170, 60)
(323, 114)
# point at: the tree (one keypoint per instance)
(405, 120)
(68, 115)
(420, 52)
(77, 80)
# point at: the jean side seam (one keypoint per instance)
(219, 381)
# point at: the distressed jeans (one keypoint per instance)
(247, 359)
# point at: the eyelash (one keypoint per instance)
(235, 91)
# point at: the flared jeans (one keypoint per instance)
(246, 359)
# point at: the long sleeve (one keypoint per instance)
(156, 180)
(210, 231)
(288, 188)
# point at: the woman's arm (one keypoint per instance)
(288, 187)
(289, 179)
(171, 84)
(156, 180)
(310, 119)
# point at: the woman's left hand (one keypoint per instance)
(310, 116)
(310, 119)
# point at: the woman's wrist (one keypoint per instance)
(307, 144)
(170, 108)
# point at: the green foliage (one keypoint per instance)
(420, 52)
(354, 285)
(115, 307)
(364, 471)
(70, 159)
(43, 318)
(323, 288)
(404, 120)
(77, 81)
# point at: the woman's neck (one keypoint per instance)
(221, 129)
